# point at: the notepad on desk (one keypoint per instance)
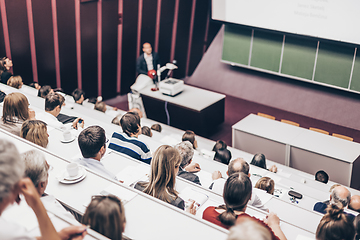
(189, 195)
(205, 178)
(132, 174)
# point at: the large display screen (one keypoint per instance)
(328, 19)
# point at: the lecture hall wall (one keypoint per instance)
(93, 44)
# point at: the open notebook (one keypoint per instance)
(188, 195)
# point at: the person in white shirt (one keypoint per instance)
(92, 143)
(37, 168)
(53, 104)
(12, 184)
(236, 165)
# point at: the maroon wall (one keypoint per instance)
(95, 69)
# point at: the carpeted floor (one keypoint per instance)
(236, 109)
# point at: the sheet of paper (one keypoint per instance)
(132, 174)
(205, 178)
(189, 194)
(284, 174)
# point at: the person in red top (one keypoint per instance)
(237, 193)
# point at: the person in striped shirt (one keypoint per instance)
(127, 142)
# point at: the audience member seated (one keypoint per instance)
(106, 215)
(35, 131)
(2, 96)
(266, 184)
(220, 144)
(355, 203)
(340, 195)
(15, 111)
(15, 82)
(78, 95)
(100, 106)
(357, 227)
(92, 143)
(136, 110)
(5, 65)
(116, 120)
(44, 91)
(259, 160)
(335, 225)
(36, 168)
(223, 156)
(186, 154)
(127, 142)
(53, 105)
(35, 85)
(190, 136)
(249, 229)
(164, 168)
(237, 165)
(156, 127)
(321, 176)
(237, 193)
(12, 184)
(146, 131)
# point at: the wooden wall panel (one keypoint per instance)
(182, 37)
(67, 44)
(148, 23)
(19, 39)
(88, 21)
(46, 59)
(44, 42)
(200, 20)
(109, 47)
(166, 25)
(2, 42)
(130, 20)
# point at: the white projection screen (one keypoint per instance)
(329, 19)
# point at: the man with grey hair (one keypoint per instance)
(186, 169)
(37, 168)
(236, 165)
(12, 184)
(339, 194)
(249, 229)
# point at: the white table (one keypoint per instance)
(301, 148)
(194, 108)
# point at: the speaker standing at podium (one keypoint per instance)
(147, 61)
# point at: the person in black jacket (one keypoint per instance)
(5, 65)
(147, 61)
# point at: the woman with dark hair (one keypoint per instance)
(259, 160)
(44, 91)
(335, 225)
(146, 131)
(223, 156)
(190, 136)
(220, 144)
(106, 215)
(237, 193)
(15, 112)
(5, 65)
(164, 169)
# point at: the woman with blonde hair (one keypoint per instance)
(164, 169)
(106, 215)
(35, 131)
(15, 82)
(266, 184)
(15, 112)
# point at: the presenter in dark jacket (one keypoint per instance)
(147, 61)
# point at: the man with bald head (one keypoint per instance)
(235, 166)
(355, 203)
(339, 194)
(147, 61)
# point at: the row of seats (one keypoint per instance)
(311, 128)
